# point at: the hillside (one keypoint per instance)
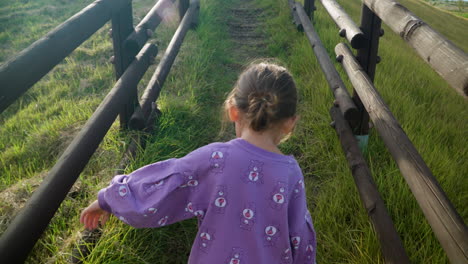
(455, 7)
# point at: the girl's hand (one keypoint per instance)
(92, 214)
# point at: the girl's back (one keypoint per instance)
(247, 219)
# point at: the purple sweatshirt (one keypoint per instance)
(250, 203)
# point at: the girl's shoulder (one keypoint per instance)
(261, 153)
(241, 150)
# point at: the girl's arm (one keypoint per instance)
(302, 232)
(155, 195)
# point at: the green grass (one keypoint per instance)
(36, 129)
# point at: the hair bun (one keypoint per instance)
(266, 94)
(262, 110)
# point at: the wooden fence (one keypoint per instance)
(131, 59)
(351, 114)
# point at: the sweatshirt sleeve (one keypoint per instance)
(161, 193)
(302, 232)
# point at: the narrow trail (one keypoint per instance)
(245, 29)
(246, 32)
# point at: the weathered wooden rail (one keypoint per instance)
(445, 58)
(449, 61)
(30, 65)
(144, 30)
(130, 61)
(151, 93)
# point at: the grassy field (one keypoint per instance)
(35, 129)
(458, 8)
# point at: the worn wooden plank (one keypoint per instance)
(390, 242)
(446, 223)
(449, 61)
(21, 72)
(28, 225)
(151, 93)
(338, 88)
(348, 28)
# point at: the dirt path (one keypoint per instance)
(246, 31)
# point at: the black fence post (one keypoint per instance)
(368, 58)
(309, 7)
(122, 27)
(183, 6)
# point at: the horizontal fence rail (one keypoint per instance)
(447, 225)
(334, 80)
(348, 28)
(28, 225)
(392, 248)
(18, 74)
(449, 61)
(153, 88)
(144, 30)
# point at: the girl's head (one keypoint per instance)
(263, 98)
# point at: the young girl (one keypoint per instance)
(248, 197)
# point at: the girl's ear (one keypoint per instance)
(233, 113)
(289, 124)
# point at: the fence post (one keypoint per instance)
(122, 26)
(183, 6)
(309, 7)
(367, 57)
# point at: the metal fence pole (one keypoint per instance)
(367, 57)
(309, 7)
(122, 27)
(183, 6)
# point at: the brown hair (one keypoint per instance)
(266, 94)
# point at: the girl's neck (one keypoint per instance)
(265, 140)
